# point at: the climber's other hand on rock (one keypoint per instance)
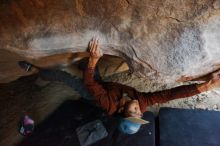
(95, 52)
(214, 81)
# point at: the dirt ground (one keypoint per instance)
(38, 99)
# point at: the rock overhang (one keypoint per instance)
(167, 41)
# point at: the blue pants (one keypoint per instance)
(70, 80)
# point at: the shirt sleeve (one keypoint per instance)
(102, 96)
(107, 99)
(146, 99)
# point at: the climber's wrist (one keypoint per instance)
(203, 87)
(92, 62)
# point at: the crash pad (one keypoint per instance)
(186, 127)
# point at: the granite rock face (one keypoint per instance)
(164, 40)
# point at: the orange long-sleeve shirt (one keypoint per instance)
(109, 95)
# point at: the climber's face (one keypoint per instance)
(132, 109)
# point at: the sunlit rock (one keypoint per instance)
(167, 41)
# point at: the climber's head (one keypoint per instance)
(131, 121)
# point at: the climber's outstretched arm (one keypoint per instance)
(146, 99)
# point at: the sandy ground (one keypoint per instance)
(25, 96)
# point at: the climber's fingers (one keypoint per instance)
(98, 49)
(95, 45)
(92, 45)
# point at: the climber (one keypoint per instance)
(129, 103)
(118, 99)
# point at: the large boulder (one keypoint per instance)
(165, 40)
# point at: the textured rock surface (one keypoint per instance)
(163, 39)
